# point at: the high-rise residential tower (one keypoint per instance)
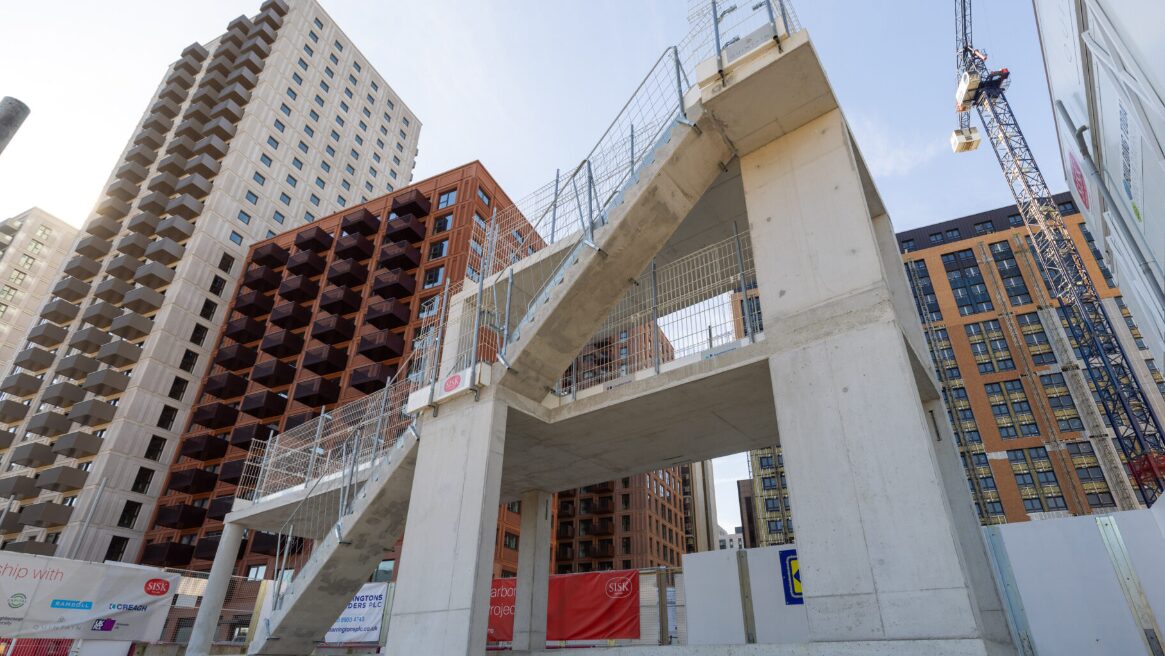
(278, 121)
(33, 246)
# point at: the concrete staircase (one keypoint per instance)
(342, 560)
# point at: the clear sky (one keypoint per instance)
(525, 86)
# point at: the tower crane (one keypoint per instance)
(1138, 430)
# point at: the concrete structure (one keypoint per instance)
(1033, 441)
(277, 121)
(12, 116)
(890, 553)
(1105, 66)
(745, 501)
(701, 531)
(733, 540)
(33, 246)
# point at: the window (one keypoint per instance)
(330, 151)
(772, 505)
(217, 284)
(302, 64)
(291, 93)
(178, 388)
(26, 261)
(308, 50)
(318, 23)
(7, 293)
(117, 546)
(297, 163)
(265, 159)
(278, 216)
(433, 277)
(439, 249)
(284, 198)
(320, 182)
(315, 200)
(167, 417)
(16, 277)
(209, 307)
(324, 86)
(256, 572)
(446, 199)
(291, 180)
(129, 514)
(244, 217)
(198, 335)
(984, 228)
(285, 109)
(768, 482)
(774, 526)
(334, 59)
(339, 46)
(279, 125)
(273, 142)
(315, 38)
(309, 131)
(303, 147)
(226, 262)
(510, 541)
(311, 113)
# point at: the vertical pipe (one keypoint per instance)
(436, 355)
(590, 203)
(554, 206)
(493, 232)
(716, 32)
(675, 51)
(311, 459)
(773, 22)
(744, 309)
(506, 324)
(632, 166)
(655, 330)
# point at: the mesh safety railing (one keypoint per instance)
(238, 613)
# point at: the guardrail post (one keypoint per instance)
(716, 32)
(554, 206)
(679, 84)
(784, 17)
(632, 165)
(744, 309)
(772, 21)
(655, 329)
(590, 203)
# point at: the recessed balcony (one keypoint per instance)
(261, 278)
(131, 325)
(307, 263)
(165, 251)
(33, 454)
(265, 544)
(82, 268)
(180, 516)
(299, 288)
(63, 394)
(324, 360)
(333, 329)
(93, 412)
(78, 365)
(77, 444)
(347, 273)
(242, 436)
(356, 247)
(204, 447)
(388, 314)
(21, 384)
(123, 267)
(100, 314)
(231, 471)
(399, 255)
(106, 382)
(112, 289)
(143, 223)
(119, 353)
(143, 300)
(12, 411)
(405, 227)
(290, 315)
(314, 238)
(317, 392)
(215, 415)
(47, 334)
(167, 554)
(411, 202)
(282, 343)
(394, 284)
(45, 514)
(225, 385)
(381, 345)
(360, 221)
(235, 357)
(273, 373)
(94, 247)
(21, 487)
(340, 300)
(253, 303)
(34, 359)
(62, 479)
(264, 404)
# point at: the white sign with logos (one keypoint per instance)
(362, 618)
(43, 597)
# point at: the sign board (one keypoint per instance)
(589, 606)
(362, 618)
(43, 597)
(791, 577)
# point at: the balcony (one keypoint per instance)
(299, 419)
(106, 382)
(12, 411)
(604, 550)
(154, 275)
(205, 164)
(316, 392)
(21, 384)
(181, 146)
(77, 366)
(118, 354)
(356, 247)
(273, 373)
(228, 109)
(282, 343)
(347, 273)
(151, 138)
(82, 268)
(603, 528)
(324, 360)
(225, 385)
(112, 290)
(565, 532)
(394, 284)
(601, 488)
(215, 415)
(307, 263)
(232, 472)
(132, 172)
(94, 247)
(77, 444)
(47, 334)
(564, 552)
(339, 300)
(93, 412)
(176, 228)
(165, 250)
(372, 377)
(236, 92)
(333, 329)
(411, 202)
(381, 345)
(211, 146)
(20, 487)
(388, 314)
(154, 203)
(45, 514)
(62, 479)
(244, 329)
(111, 210)
(63, 394)
(167, 554)
(314, 239)
(261, 278)
(144, 223)
(299, 288)
(143, 300)
(242, 436)
(270, 255)
(123, 190)
(405, 227)
(32, 547)
(235, 357)
(141, 155)
(34, 359)
(100, 314)
(180, 516)
(174, 165)
(11, 524)
(164, 182)
(399, 255)
(70, 289)
(123, 267)
(192, 481)
(361, 221)
(264, 544)
(264, 404)
(33, 454)
(243, 78)
(131, 325)
(219, 508)
(204, 447)
(566, 510)
(253, 303)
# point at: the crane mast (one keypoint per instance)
(1137, 429)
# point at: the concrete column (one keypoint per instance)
(533, 572)
(441, 604)
(877, 542)
(217, 586)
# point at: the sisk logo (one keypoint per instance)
(157, 587)
(618, 588)
(71, 604)
(17, 600)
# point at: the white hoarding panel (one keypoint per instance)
(361, 619)
(712, 593)
(775, 584)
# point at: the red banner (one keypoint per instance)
(590, 606)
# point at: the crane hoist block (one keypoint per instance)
(965, 140)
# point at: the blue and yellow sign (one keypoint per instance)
(791, 574)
